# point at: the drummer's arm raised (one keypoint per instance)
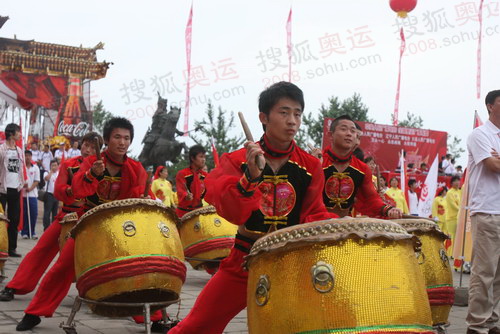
(229, 191)
(313, 208)
(61, 186)
(84, 183)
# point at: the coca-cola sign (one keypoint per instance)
(73, 130)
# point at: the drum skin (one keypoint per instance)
(4, 241)
(435, 266)
(206, 235)
(67, 223)
(339, 275)
(128, 251)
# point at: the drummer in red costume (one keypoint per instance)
(115, 176)
(190, 182)
(39, 258)
(347, 178)
(285, 193)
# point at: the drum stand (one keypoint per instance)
(69, 326)
(441, 329)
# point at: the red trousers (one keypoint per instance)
(224, 296)
(35, 263)
(55, 284)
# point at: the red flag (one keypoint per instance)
(479, 39)
(401, 52)
(215, 154)
(289, 43)
(20, 144)
(477, 120)
(188, 36)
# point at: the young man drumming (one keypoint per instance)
(285, 192)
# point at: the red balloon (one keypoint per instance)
(402, 7)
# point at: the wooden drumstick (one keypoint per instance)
(312, 148)
(378, 178)
(259, 160)
(148, 183)
(97, 149)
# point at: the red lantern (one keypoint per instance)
(402, 7)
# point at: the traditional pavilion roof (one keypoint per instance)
(52, 59)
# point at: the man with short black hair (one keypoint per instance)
(484, 183)
(11, 182)
(346, 177)
(190, 182)
(284, 193)
(35, 263)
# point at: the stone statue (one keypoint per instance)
(159, 141)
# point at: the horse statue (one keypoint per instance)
(159, 141)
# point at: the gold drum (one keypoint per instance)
(348, 275)
(4, 241)
(206, 236)
(67, 223)
(435, 266)
(128, 251)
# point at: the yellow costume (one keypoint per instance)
(163, 190)
(397, 195)
(453, 198)
(439, 210)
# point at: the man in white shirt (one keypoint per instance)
(60, 153)
(50, 204)
(36, 154)
(46, 157)
(30, 197)
(412, 197)
(74, 151)
(446, 162)
(484, 184)
(11, 181)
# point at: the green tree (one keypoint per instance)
(352, 106)
(217, 125)
(454, 147)
(411, 121)
(100, 116)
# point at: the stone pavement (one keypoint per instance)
(87, 323)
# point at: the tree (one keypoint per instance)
(352, 106)
(454, 147)
(100, 116)
(217, 125)
(411, 121)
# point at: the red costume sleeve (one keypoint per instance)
(84, 186)
(368, 201)
(62, 185)
(182, 190)
(222, 191)
(313, 208)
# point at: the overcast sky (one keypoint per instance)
(239, 47)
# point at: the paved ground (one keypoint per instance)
(12, 312)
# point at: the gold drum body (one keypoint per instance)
(128, 251)
(4, 241)
(435, 266)
(337, 276)
(206, 236)
(67, 223)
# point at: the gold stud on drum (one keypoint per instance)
(444, 257)
(197, 226)
(165, 231)
(217, 222)
(129, 228)
(262, 291)
(323, 278)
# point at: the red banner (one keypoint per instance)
(385, 142)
